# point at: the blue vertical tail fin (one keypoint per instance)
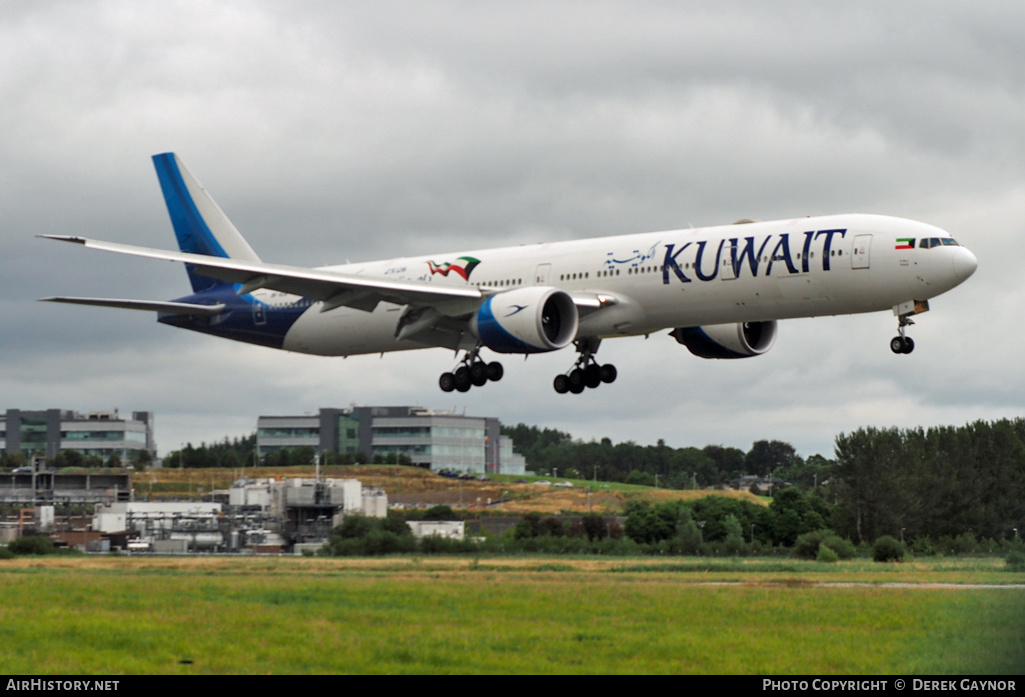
(199, 224)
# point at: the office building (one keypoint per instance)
(436, 440)
(47, 432)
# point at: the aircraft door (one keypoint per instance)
(541, 274)
(860, 252)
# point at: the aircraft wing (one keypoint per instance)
(333, 289)
(170, 308)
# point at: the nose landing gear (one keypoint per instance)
(903, 343)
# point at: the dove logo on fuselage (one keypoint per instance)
(744, 254)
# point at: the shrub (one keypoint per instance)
(529, 526)
(32, 544)
(1015, 560)
(353, 527)
(843, 547)
(622, 547)
(923, 547)
(688, 536)
(435, 544)
(807, 545)
(826, 554)
(361, 536)
(965, 543)
(887, 548)
(440, 512)
(551, 526)
(734, 535)
(595, 527)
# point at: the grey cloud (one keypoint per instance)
(342, 130)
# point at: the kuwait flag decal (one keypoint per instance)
(463, 266)
(905, 243)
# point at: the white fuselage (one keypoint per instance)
(758, 271)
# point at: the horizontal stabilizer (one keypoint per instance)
(148, 305)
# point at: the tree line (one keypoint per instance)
(951, 482)
(241, 452)
(555, 453)
(930, 483)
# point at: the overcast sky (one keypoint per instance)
(334, 130)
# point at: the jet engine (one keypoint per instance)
(740, 340)
(526, 320)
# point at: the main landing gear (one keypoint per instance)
(902, 343)
(471, 372)
(586, 372)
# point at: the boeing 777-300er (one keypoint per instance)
(719, 290)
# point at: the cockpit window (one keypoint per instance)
(930, 242)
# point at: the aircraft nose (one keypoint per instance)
(965, 264)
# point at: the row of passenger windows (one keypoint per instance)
(500, 284)
(924, 243)
(658, 268)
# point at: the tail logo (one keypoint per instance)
(463, 266)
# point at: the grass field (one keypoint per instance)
(423, 615)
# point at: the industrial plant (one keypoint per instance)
(100, 511)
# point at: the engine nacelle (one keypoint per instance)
(526, 320)
(740, 340)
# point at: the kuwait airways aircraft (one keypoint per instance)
(719, 290)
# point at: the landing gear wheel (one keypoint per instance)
(902, 344)
(586, 372)
(472, 372)
(478, 373)
(576, 378)
(463, 380)
(495, 371)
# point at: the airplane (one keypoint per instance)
(720, 291)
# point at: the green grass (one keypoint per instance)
(427, 615)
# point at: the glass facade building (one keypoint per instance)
(436, 440)
(50, 431)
